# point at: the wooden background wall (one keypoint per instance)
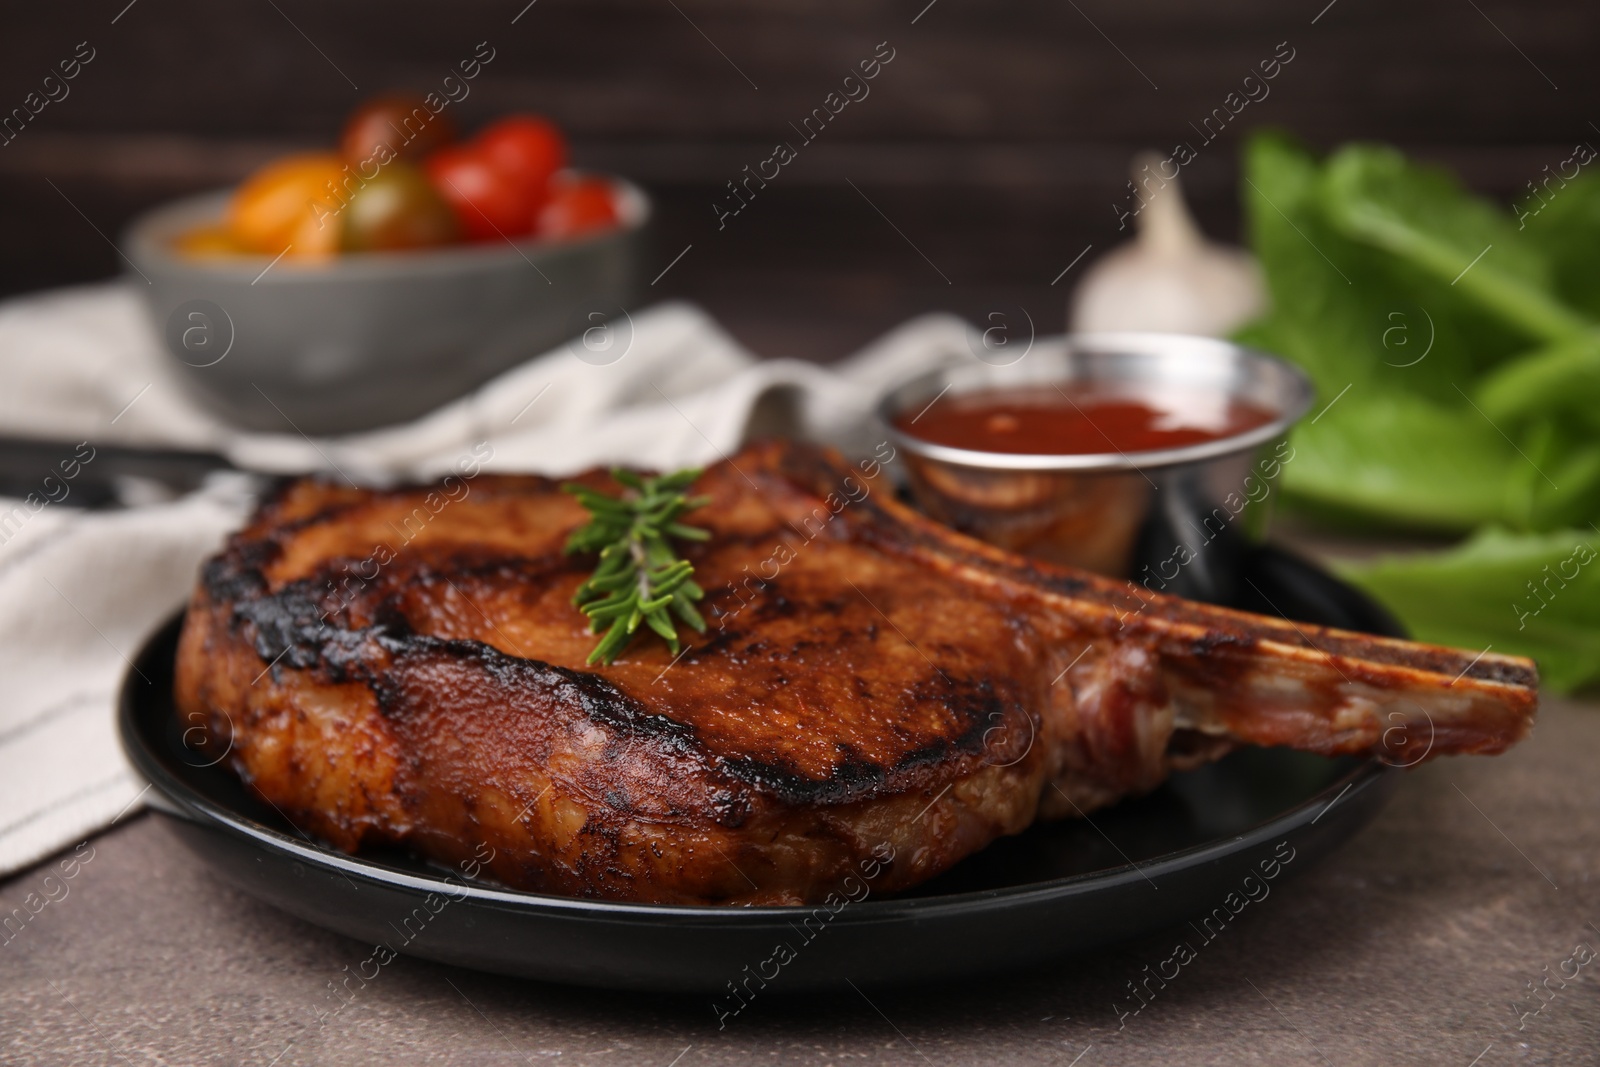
(996, 140)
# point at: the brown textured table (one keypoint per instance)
(1409, 946)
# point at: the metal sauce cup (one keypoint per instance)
(1167, 517)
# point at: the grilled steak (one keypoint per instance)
(405, 666)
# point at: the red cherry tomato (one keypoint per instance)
(578, 205)
(398, 125)
(526, 147)
(488, 203)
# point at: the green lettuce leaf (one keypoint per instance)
(1326, 314)
(1562, 220)
(1423, 217)
(1401, 460)
(1562, 378)
(1402, 437)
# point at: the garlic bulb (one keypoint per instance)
(1169, 278)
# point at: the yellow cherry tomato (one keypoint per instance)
(292, 206)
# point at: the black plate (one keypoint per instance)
(1058, 888)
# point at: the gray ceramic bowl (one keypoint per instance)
(374, 338)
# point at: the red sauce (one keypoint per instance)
(1077, 420)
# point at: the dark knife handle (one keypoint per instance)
(86, 474)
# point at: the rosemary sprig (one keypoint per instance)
(639, 577)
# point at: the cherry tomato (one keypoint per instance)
(291, 204)
(578, 205)
(528, 148)
(488, 203)
(398, 209)
(398, 125)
